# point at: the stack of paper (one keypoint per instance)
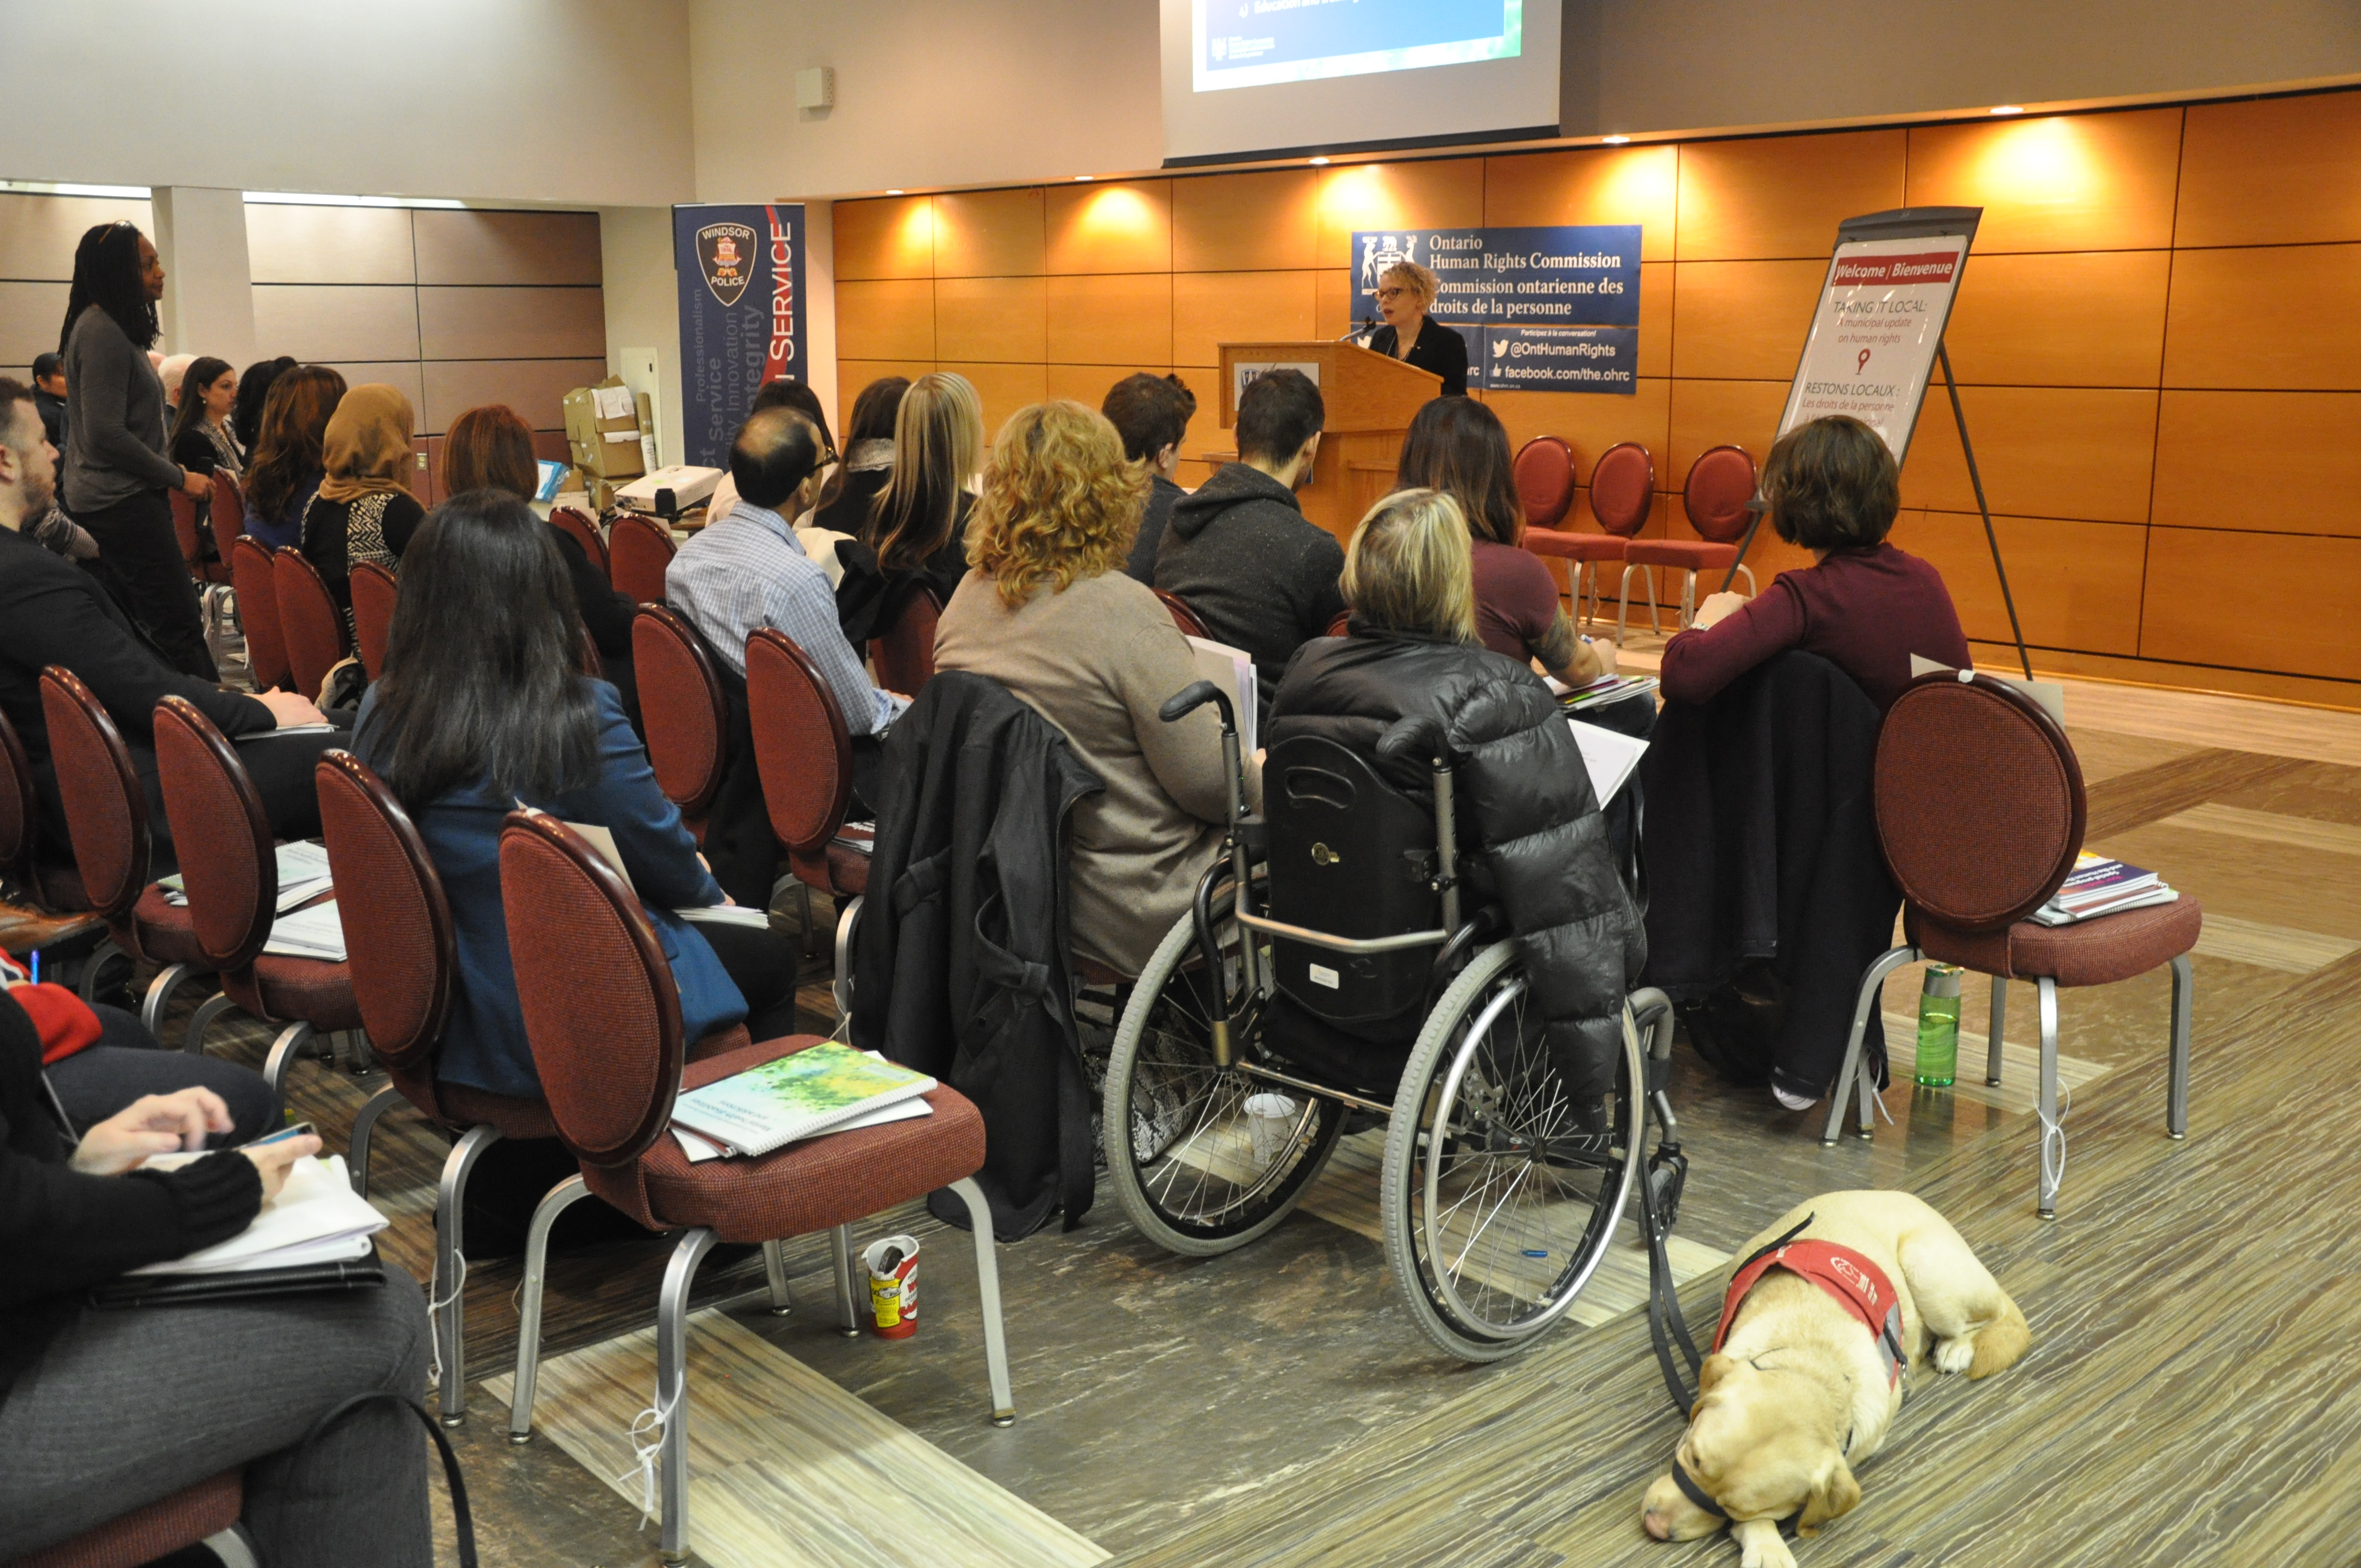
(314, 933)
(1232, 669)
(1611, 758)
(302, 875)
(1605, 689)
(316, 1218)
(816, 1089)
(2098, 886)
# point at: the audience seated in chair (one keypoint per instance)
(868, 462)
(104, 1412)
(819, 544)
(284, 466)
(1151, 413)
(1530, 829)
(54, 613)
(1259, 574)
(916, 532)
(364, 510)
(1049, 614)
(1832, 487)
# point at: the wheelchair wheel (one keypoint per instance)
(1496, 1210)
(1179, 1150)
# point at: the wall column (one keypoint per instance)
(208, 304)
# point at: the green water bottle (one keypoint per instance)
(1939, 1028)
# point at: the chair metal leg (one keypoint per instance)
(841, 988)
(847, 1317)
(1623, 604)
(357, 1158)
(1689, 600)
(211, 1008)
(803, 896)
(283, 1052)
(2184, 1006)
(99, 958)
(2051, 1174)
(1865, 1103)
(450, 1264)
(1999, 1022)
(1656, 625)
(672, 1389)
(554, 1203)
(774, 1278)
(988, 1279)
(1748, 572)
(160, 992)
(1873, 985)
(231, 1549)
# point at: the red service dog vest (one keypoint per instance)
(1859, 1285)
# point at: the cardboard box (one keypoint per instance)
(602, 431)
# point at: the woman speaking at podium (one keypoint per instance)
(1405, 292)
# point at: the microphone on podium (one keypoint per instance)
(1367, 325)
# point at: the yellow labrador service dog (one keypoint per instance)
(1834, 1302)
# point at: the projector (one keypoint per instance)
(668, 492)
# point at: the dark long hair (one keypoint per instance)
(938, 442)
(873, 420)
(253, 388)
(1459, 446)
(202, 372)
(286, 453)
(106, 274)
(490, 448)
(483, 674)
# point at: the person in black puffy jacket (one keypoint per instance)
(1530, 829)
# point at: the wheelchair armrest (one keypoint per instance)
(1486, 926)
(1254, 832)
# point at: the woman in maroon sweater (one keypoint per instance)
(1865, 607)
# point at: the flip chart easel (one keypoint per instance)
(1885, 303)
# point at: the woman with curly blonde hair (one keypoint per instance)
(1049, 613)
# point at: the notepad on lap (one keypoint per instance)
(1232, 669)
(1611, 758)
(816, 1089)
(316, 1218)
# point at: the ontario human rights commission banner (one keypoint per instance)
(740, 270)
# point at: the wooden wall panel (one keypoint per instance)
(2057, 182)
(483, 247)
(1122, 226)
(1332, 308)
(1004, 388)
(2278, 462)
(998, 320)
(31, 315)
(330, 244)
(2077, 585)
(2073, 319)
(405, 376)
(990, 234)
(1783, 196)
(1714, 413)
(1212, 307)
(1604, 185)
(512, 323)
(2271, 172)
(1590, 424)
(1116, 319)
(2043, 452)
(852, 375)
(886, 318)
(2280, 318)
(1446, 193)
(334, 322)
(1088, 384)
(39, 232)
(536, 389)
(2220, 598)
(1742, 320)
(892, 236)
(1228, 223)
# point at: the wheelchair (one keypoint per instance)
(1357, 986)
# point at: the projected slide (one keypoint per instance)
(1252, 43)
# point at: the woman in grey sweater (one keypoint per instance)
(116, 472)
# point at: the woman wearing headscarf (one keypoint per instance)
(364, 510)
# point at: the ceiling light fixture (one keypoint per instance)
(2008, 108)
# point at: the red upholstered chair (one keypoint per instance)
(1980, 812)
(639, 549)
(904, 656)
(603, 1017)
(1342, 625)
(1622, 494)
(1716, 497)
(231, 874)
(585, 529)
(373, 587)
(186, 527)
(225, 515)
(205, 1514)
(1183, 615)
(253, 575)
(682, 709)
(106, 822)
(803, 751)
(49, 907)
(308, 622)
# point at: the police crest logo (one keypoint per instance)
(725, 252)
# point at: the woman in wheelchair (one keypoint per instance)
(1410, 775)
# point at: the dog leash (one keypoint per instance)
(1667, 1328)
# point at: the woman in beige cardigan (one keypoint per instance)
(1049, 613)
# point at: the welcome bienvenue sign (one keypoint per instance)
(1532, 300)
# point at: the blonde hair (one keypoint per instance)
(1060, 502)
(938, 435)
(1425, 282)
(1408, 566)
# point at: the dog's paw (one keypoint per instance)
(1955, 1354)
(1763, 1546)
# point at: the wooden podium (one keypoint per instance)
(1370, 399)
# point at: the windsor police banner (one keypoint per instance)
(740, 275)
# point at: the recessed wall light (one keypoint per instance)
(1614, 142)
(2008, 108)
(1319, 160)
(892, 192)
(1083, 178)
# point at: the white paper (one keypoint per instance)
(314, 933)
(285, 729)
(726, 915)
(603, 841)
(1233, 670)
(2050, 694)
(615, 402)
(317, 1217)
(1611, 758)
(699, 1150)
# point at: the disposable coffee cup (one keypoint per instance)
(892, 1266)
(1270, 1122)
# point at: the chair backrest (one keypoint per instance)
(374, 587)
(1183, 615)
(310, 624)
(220, 833)
(253, 575)
(802, 748)
(105, 808)
(1715, 495)
(639, 549)
(1623, 489)
(1980, 803)
(228, 516)
(1352, 856)
(403, 947)
(1544, 475)
(184, 526)
(601, 1011)
(585, 529)
(19, 809)
(681, 707)
(905, 652)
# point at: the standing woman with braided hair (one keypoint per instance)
(117, 474)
